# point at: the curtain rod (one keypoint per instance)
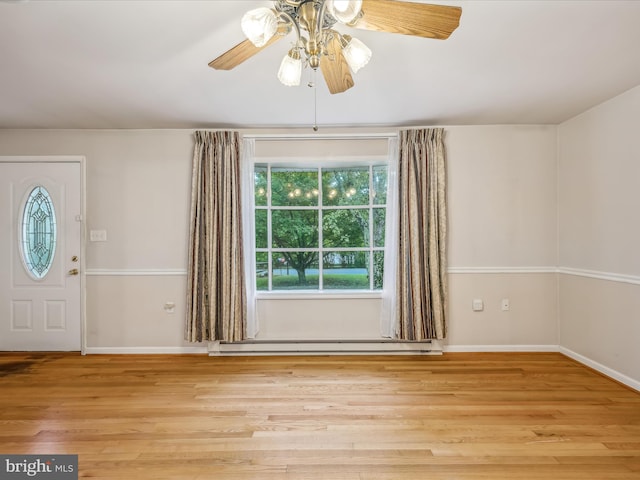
(319, 136)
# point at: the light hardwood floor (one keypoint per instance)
(454, 417)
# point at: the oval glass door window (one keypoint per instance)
(38, 233)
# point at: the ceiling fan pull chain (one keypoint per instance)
(312, 84)
(315, 102)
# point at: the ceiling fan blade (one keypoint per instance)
(335, 68)
(407, 18)
(238, 54)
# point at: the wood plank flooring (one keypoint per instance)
(454, 417)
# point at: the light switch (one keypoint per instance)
(478, 305)
(98, 235)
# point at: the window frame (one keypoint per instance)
(370, 207)
(315, 163)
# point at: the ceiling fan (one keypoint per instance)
(318, 44)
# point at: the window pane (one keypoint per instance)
(295, 271)
(380, 185)
(378, 270)
(262, 271)
(306, 215)
(261, 229)
(379, 215)
(38, 233)
(345, 186)
(345, 270)
(294, 187)
(260, 185)
(345, 228)
(294, 228)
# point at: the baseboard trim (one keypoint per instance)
(145, 350)
(608, 372)
(324, 348)
(335, 348)
(499, 348)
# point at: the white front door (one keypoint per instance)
(40, 247)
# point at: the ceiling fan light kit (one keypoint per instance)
(356, 53)
(344, 11)
(319, 45)
(290, 70)
(259, 25)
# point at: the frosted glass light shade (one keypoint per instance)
(259, 25)
(344, 11)
(356, 53)
(290, 71)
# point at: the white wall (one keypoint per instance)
(502, 232)
(138, 186)
(502, 199)
(502, 196)
(599, 175)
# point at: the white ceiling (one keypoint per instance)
(143, 64)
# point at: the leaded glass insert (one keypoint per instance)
(38, 233)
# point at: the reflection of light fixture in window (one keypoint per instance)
(350, 192)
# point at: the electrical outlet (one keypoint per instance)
(478, 305)
(170, 307)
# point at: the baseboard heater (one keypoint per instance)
(329, 347)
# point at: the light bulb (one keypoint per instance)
(290, 70)
(344, 11)
(356, 53)
(259, 25)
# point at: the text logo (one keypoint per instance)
(50, 467)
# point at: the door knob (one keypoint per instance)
(73, 271)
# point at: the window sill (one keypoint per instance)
(318, 295)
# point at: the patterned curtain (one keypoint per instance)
(422, 270)
(216, 298)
